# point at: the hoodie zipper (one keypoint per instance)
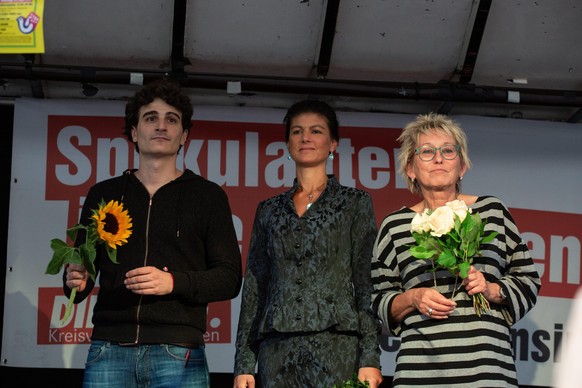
(145, 260)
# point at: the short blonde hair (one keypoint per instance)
(424, 125)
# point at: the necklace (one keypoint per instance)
(315, 191)
(310, 196)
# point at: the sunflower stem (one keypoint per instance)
(70, 305)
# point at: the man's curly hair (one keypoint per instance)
(165, 89)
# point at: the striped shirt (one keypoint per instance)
(464, 350)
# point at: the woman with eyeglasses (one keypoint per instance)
(444, 340)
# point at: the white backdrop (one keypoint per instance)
(62, 146)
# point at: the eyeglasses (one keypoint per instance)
(449, 152)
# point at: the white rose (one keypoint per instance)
(459, 208)
(420, 223)
(441, 221)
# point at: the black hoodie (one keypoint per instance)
(186, 227)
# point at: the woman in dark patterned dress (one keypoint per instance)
(305, 316)
(444, 342)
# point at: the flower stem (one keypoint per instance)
(480, 304)
(455, 287)
(70, 304)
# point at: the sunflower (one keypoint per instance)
(110, 226)
(113, 223)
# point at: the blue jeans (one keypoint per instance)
(112, 365)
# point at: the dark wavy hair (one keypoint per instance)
(166, 89)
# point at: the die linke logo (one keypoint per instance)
(78, 328)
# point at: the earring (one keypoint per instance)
(461, 178)
(413, 179)
(330, 155)
(288, 157)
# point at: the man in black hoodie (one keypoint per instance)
(183, 253)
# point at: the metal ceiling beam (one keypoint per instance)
(444, 91)
(475, 41)
(178, 60)
(327, 36)
(445, 108)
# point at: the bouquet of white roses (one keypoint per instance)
(451, 236)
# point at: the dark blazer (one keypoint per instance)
(309, 273)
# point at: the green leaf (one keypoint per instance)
(453, 237)
(471, 250)
(419, 238)
(447, 259)
(421, 252)
(471, 231)
(464, 269)
(354, 382)
(88, 254)
(489, 237)
(434, 244)
(62, 254)
(73, 231)
(463, 246)
(112, 253)
(59, 245)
